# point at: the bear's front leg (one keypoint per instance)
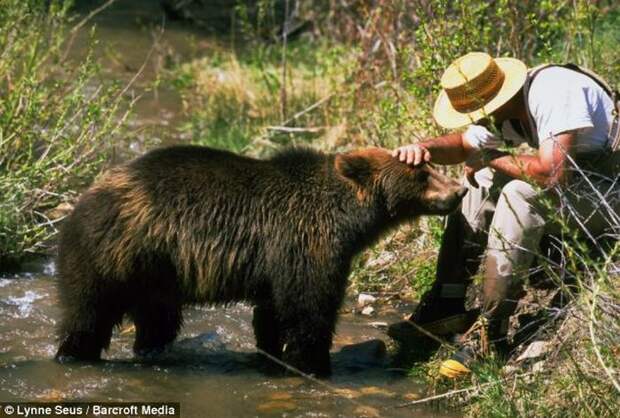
(308, 339)
(309, 356)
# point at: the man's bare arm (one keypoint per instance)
(448, 149)
(546, 169)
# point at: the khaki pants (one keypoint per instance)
(503, 222)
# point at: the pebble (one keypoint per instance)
(347, 393)
(51, 395)
(383, 259)
(411, 396)
(365, 299)
(510, 369)
(368, 311)
(538, 366)
(293, 382)
(374, 390)
(280, 396)
(534, 350)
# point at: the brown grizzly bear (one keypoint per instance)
(193, 225)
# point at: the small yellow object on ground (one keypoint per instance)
(453, 369)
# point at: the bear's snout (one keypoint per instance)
(462, 192)
(443, 194)
(459, 194)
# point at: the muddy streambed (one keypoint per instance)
(212, 368)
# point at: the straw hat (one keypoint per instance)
(476, 85)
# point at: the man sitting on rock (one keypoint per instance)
(570, 116)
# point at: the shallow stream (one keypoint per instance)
(212, 369)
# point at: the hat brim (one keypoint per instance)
(446, 116)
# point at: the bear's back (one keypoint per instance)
(173, 169)
(198, 170)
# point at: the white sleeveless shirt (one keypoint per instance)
(560, 100)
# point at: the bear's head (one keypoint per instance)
(405, 191)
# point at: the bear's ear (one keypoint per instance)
(354, 167)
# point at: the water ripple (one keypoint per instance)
(25, 303)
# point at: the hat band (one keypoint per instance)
(476, 93)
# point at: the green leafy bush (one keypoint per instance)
(57, 119)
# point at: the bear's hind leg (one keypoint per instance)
(158, 319)
(267, 330)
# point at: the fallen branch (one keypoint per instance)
(459, 391)
(308, 109)
(92, 14)
(288, 129)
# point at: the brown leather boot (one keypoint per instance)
(501, 294)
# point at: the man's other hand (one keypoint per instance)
(470, 175)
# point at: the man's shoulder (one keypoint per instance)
(557, 78)
(555, 84)
(557, 75)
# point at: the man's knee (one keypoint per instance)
(519, 191)
(518, 206)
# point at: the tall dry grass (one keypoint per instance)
(235, 100)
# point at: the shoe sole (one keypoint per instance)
(455, 324)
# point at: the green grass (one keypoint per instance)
(234, 98)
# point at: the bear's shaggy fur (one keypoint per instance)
(192, 225)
